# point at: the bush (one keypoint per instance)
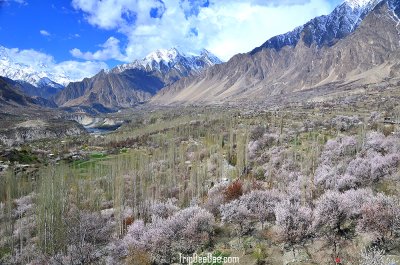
(234, 191)
(137, 257)
(259, 173)
(257, 133)
(374, 256)
(183, 232)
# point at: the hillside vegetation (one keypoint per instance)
(298, 185)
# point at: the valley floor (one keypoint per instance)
(301, 184)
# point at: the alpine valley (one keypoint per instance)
(287, 154)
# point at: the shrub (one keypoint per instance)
(234, 190)
(137, 257)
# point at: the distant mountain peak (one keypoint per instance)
(166, 55)
(37, 75)
(205, 52)
(128, 84)
(349, 47)
(326, 29)
(361, 3)
(164, 60)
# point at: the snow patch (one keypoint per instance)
(361, 3)
(39, 76)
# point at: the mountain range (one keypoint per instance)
(130, 84)
(358, 42)
(38, 80)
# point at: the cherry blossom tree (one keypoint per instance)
(344, 165)
(183, 232)
(333, 161)
(344, 123)
(261, 204)
(374, 141)
(294, 222)
(216, 197)
(329, 217)
(87, 235)
(262, 143)
(238, 214)
(354, 200)
(164, 209)
(378, 217)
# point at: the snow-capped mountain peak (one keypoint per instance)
(162, 55)
(210, 57)
(326, 29)
(37, 75)
(361, 3)
(164, 60)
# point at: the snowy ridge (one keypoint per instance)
(37, 76)
(326, 29)
(164, 60)
(162, 55)
(361, 3)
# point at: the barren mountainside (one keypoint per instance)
(12, 96)
(318, 53)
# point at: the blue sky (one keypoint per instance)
(111, 32)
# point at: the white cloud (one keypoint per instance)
(79, 70)
(29, 57)
(110, 50)
(242, 27)
(106, 14)
(224, 27)
(44, 32)
(271, 2)
(21, 2)
(41, 62)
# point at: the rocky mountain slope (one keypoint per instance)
(357, 42)
(12, 96)
(129, 84)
